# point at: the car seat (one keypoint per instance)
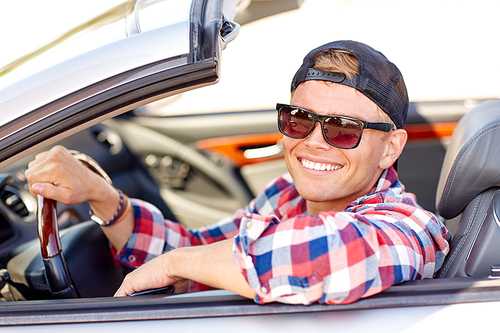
(469, 185)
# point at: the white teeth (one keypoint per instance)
(319, 166)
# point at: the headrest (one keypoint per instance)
(472, 161)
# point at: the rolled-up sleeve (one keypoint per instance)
(152, 235)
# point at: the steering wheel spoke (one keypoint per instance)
(58, 276)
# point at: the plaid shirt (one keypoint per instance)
(381, 239)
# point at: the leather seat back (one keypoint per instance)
(468, 185)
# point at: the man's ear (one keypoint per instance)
(395, 144)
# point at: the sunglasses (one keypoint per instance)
(338, 131)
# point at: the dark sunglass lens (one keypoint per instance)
(343, 133)
(295, 122)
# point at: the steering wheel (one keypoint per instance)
(56, 268)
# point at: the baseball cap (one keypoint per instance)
(378, 78)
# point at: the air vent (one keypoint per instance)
(109, 138)
(13, 199)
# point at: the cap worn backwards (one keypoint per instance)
(377, 78)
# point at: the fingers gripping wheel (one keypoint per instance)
(56, 269)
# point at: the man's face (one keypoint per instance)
(352, 172)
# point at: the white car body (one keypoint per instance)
(156, 55)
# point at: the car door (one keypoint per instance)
(131, 55)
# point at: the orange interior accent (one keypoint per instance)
(430, 131)
(234, 146)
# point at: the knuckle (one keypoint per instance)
(56, 153)
(28, 177)
(58, 149)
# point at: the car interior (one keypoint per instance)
(154, 168)
(468, 187)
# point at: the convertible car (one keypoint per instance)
(116, 88)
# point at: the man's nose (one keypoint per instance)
(316, 136)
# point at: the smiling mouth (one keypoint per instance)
(319, 166)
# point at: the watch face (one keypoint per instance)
(97, 220)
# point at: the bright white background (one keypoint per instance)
(446, 49)
(26, 25)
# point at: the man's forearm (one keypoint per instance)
(212, 265)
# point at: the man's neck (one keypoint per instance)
(314, 208)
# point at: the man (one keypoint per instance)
(338, 228)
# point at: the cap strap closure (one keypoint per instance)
(318, 74)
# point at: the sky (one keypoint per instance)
(446, 49)
(26, 25)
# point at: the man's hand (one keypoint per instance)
(153, 274)
(57, 175)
